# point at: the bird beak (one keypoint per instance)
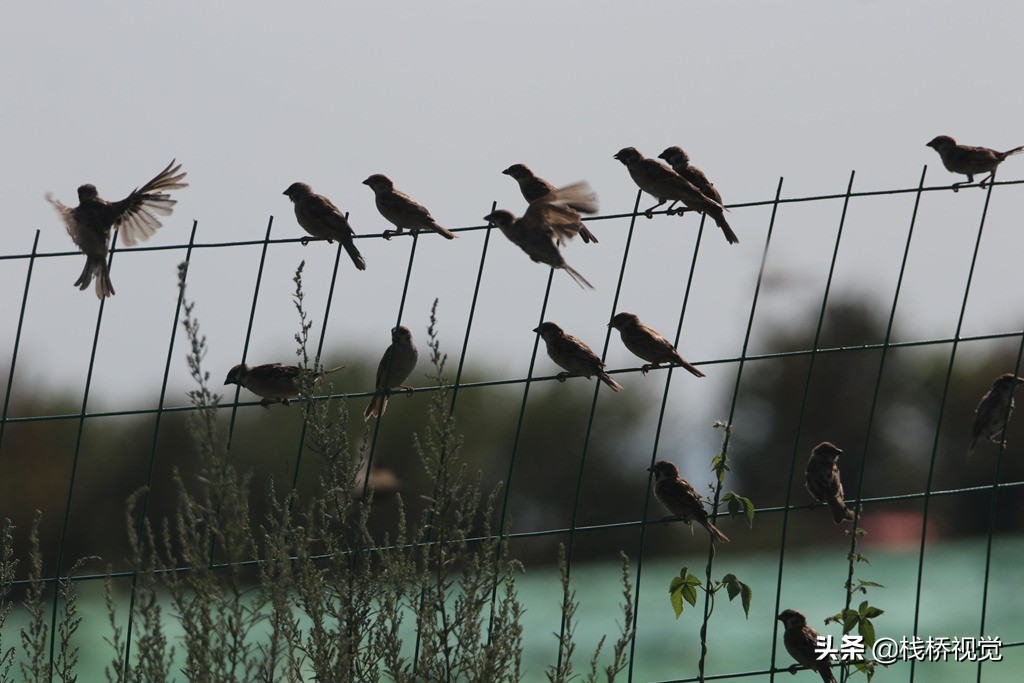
(537, 329)
(506, 171)
(651, 468)
(366, 182)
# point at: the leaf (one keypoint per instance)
(867, 629)
(732, 585)
(676, 596)
(683, 587)
(745, 595)
(873, 612)
(690, 594)
(850, 619)
(734, 506)
(748, 510)
(872, 584)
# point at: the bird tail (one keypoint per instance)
(1015, 150)
(378, 404)
(689, 368)
(96, 266)
(340, 367)
(448, 234)
(716, 535)
(587, 236)
(719, 219)
(607, 379)
(354, 254)
(840, 513)
(580, 280)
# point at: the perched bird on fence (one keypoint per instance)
(680, 498)
(823, 482)
(648, 345)
(397, 363)
(135, 217)
(533, 188)
(573, 355)
(275, 382)
(321, 218)
(664, 184)
(993, 411)
(401, 210)
(801, 641)
(969, 161)
(680, 163)
(538, 231)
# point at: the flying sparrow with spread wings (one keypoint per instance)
(801, 641)
(993, 411)
(648, 345)
(321, 218)
(823, 482)
(397, 363)
(660, 181)
(680, 498)
(90, 223)
(533, 188)
(275, 382)
(401, 210)
(573, 355)
(968, 160)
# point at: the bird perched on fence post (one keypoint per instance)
(823, 481)
(993, 411)
(648, 345)
(275, 382)
(90, 223)
(547, 219)
(680, 498)
(573, 355)
(968, 160)
(664, 184)
(397, 363)
(401, 210)
(534, 187)
(321, 218)
(801, 642)
(680, 163)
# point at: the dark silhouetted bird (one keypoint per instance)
(823, 482)
(533, 188)
(275, 382)
(969, 161)
(680, 163)
(401, 210)
(397, 363)
(993, 411)
(801, 641)
(680, 498)
(321, 218)
(90, 223)
(648, 345)
(573, 355)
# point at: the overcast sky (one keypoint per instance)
(253, 96)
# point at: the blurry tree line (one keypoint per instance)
(115, 451)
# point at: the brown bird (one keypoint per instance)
(573, 355)
(537, 231)
(648, 345)
(383, 483)
(664, 184)
(823, 482)
(680, 498)
(321, 218)
(680, 163)
(275, 382)
(90, 223)
(993, 411)
(969, 161)
(801, 640)
(401, 210)
(533, 188)
(397, 363)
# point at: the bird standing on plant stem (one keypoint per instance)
(992, 413)
(573, 355)
(321, 218)
(680, 498)
(275, 382)
(401, 210)
(397, 363)
(533, 188)
(801, 641)
(648, 345)
(91, 222)
(823, 482)
(968, 160)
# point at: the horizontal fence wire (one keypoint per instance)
(778, 661)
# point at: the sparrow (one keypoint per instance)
(822, 479)
(275, 382)
(538, 231)
(680, 163)
(969, 160)
(680, 498)
(994, 410)
(573, 355)
(396, 365)
(533, 188)
(648, 345)
(801, 641)
(321, 218)
(401, 210)
(658, 180)
(90, 223)
(383, 483)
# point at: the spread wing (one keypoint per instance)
(557, 214)
(136, 215)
